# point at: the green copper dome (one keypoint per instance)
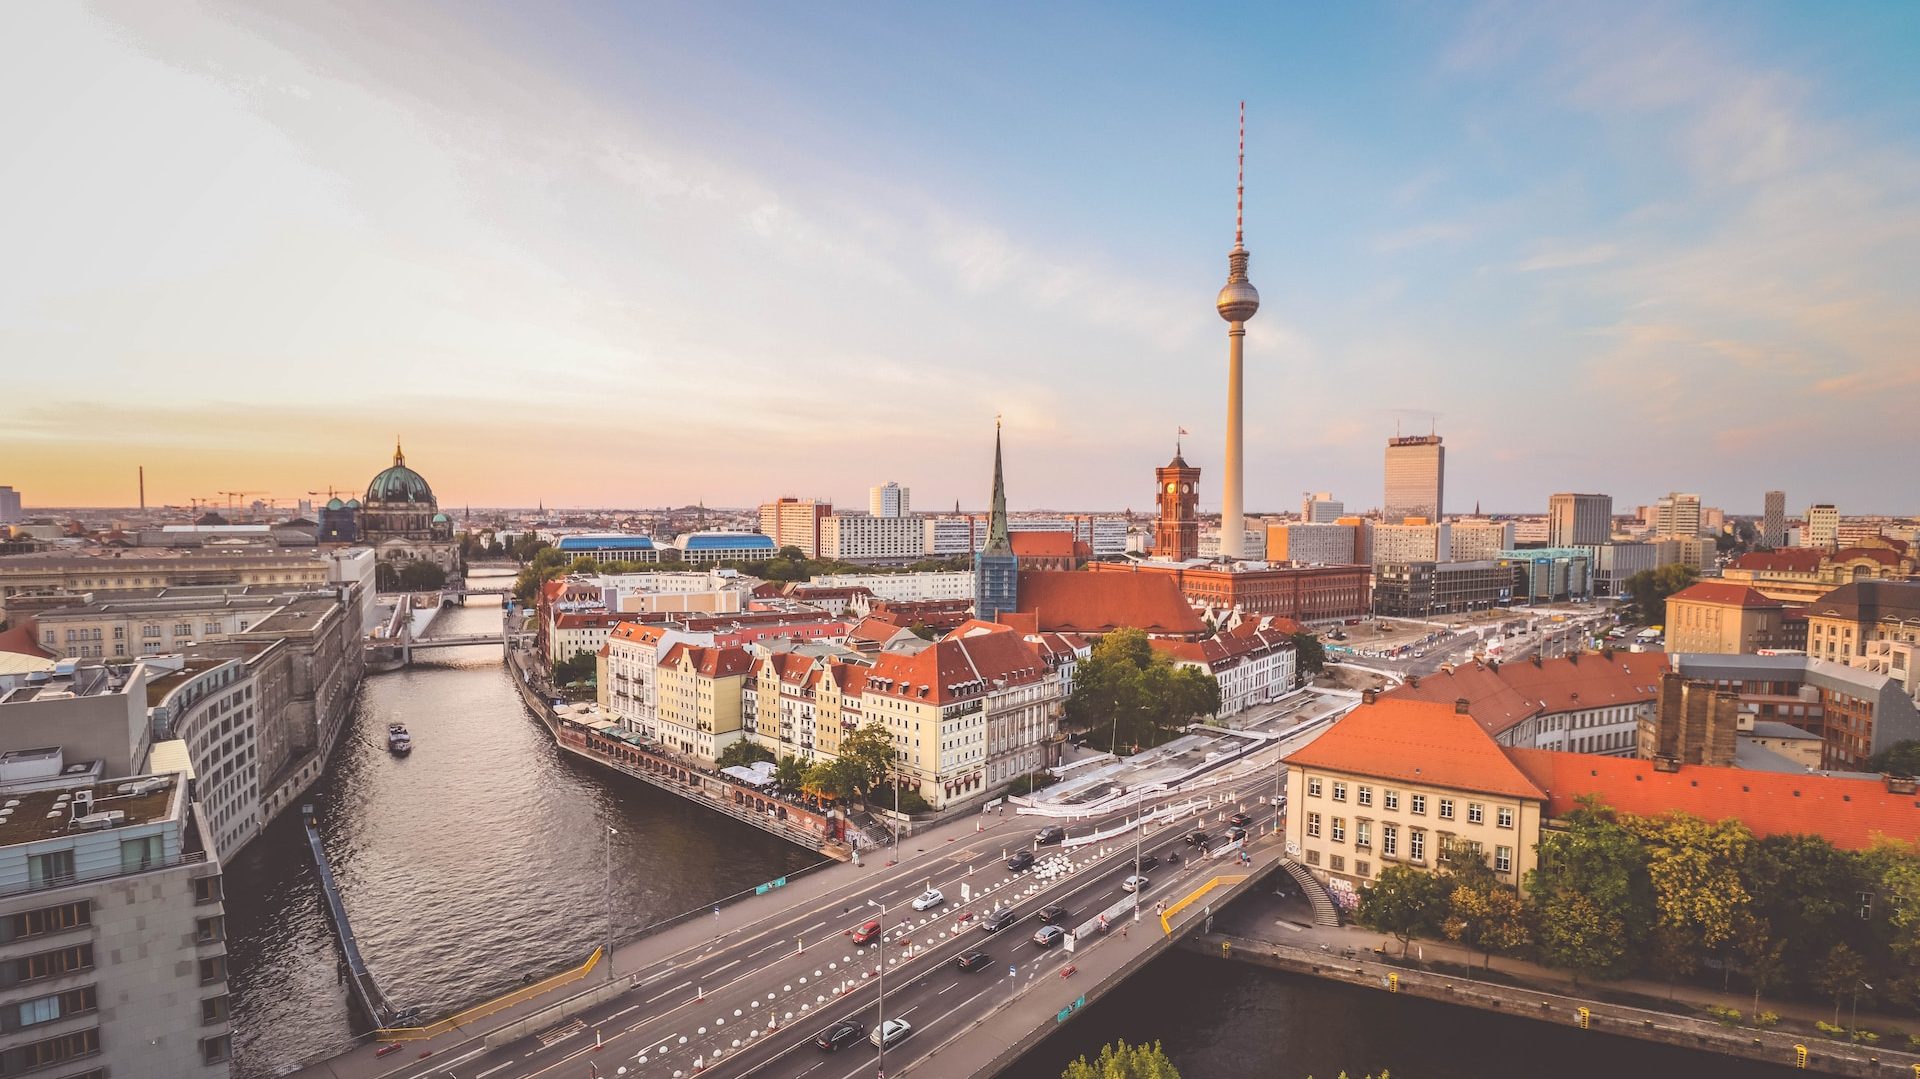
(399, 483)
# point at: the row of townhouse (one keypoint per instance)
(1254, 662)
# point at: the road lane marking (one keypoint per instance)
(669, 992)
(495, 1068)
(948, 987)
(722, 967)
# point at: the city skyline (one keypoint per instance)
(254, 245)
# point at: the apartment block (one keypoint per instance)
(858, 537)
(1577, 520)
(1477, 539)
(795, 522)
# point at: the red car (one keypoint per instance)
(867, 932)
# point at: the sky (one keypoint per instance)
(644, 255)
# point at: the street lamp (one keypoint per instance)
(1853, 1024)
(880, 1026)
(609, 895)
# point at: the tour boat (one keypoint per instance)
(399, 742)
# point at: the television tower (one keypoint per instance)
(1237, 303)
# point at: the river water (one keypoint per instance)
(480, 860)
(476, 861)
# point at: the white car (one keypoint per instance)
(1135, 883)
(929, 899)
(890, 1031)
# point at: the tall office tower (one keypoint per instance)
(1176, 533)
(1416, 478)
(1773, 525)
(1677, 515)
(1237, 303)
(795, 522)
(1582, 520)
(996, 569)
(888, 500)
(9, 506)
(1321, 508)
(1823, 526)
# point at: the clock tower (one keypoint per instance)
(1176, 535)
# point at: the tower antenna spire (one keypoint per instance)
(1240, 182)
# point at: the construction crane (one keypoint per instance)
(332, 491)
(231, 495)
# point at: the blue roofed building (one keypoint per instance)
(725, 546)
(611, 547)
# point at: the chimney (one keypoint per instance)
(1666, 764)
(1461, 706)
(1901, 784)
(1368, 696)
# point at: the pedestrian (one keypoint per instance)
(716, 913)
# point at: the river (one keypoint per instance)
(476, 861)
(479, 860)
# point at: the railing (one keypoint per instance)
(71, 879)
(497, 1004)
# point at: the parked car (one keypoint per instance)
(1146, 862)
(1049, 835)
(890, 1032)
(929, 899)
(1054, 915)
(1020, 860)
(973, 961)
(998, 920)
(1049, 935)
(867, 932)
(1135, 883)
(840, 1035)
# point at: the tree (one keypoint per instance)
(1590, 895)
(1806, 892)
(1901, 758)
(1579, 934)
(1695, 870)
(788, 772)
(834, 779)
(1838, 973)
(870, 752)
(579, 667)
(1762, 956)
(1310, 656)
(741, 753)
(1136, 692)
(1482, 912)
(419, 575)
(1123, 1061)
(1404, 902)
(1647, 591)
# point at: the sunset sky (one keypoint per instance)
(635, 255)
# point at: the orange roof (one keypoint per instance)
(588, 619)
(1723, 593)
(1076, 602)
(20, 639)
(1226, 649)
(874, 628)
(1416, 742)
(1502, 695)
(973, 627)
(710, 662)
(1024, 624)
(1042, 544)
(1848, 813)
(957, 668)
(1782, 560)
(638, 632)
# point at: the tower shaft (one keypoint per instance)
(1233, 492)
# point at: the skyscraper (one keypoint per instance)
(1773, 525)
(888, 500)
(1176, 533)
(9, 506)
(1823, 526)
(996, 569)
(1416, 478)
(1677, 515)
(1237, 303)
(1321, 508)
(1579, 520)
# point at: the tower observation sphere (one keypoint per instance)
(1238, 299)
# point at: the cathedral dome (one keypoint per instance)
(335, 504)
(399, 483)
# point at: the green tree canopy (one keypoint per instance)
(1647, 591)
(579, 667)
(1123, 1061)
(742, 753)
(1901, 758)
(1310, 656)
(1591, 896)
(1405, 902)
(869, 753)
(1137, 695)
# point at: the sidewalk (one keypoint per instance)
(1255, 917)
(693, 930)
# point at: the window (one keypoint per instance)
(25, 1058)
(1365, 869)
(1336, 863)
(1445, 853)
(1503, 859)
(207, 890)
(213, 969)
(150, 632)
(1363, 794)
(140, 854)
(1363, 833)
(1392, 799)
(213, 1010)
(1417, 845)
(1313, 825)
(29, 968)
(1313, 856)
(209, 930)
(1476, 813)
(1419, 804)
(1446, 809)
(1339, 829)
(58, 1006)
(1339, 791)
(1390, 840)
(33, 923)
(1504, 816)
(1313, 786)
(216, 1049)
(53, 867)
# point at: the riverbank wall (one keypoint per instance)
(797, 825)
(1748, 1043)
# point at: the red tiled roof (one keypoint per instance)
(639, 632)
(1042, 544)
(1848, 813)
(588, 619)
(1782, 560)
(1416, 742)
(957, 668)
(874, 628)
(20, 639)
(1024, 624)
(1500, 696)
(710, 662)
(973, 627)
(1224, 650)
(1078, 602)
(1725, 594)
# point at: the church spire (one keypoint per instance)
(997, 540)
(399, 458)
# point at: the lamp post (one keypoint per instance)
(609, 896)
(880, 1025)
(1853, 1024)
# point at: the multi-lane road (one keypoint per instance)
(752, 1002)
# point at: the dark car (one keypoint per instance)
(867, 932)
(1239, 820)
(1146, 862)
(998, 920)
(1054, 915)
(1049, 935)
(1236, 833)
(840, 1035)
(1198, 839)
(973, 961)
(1052, 833)
(1020, 860)
(1173, 857)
